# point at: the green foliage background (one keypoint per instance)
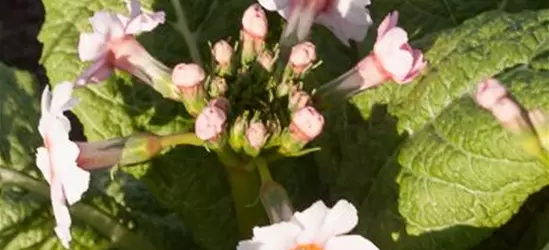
(426, 168)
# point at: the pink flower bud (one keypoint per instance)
(303, 55)
(254, 22)
(266, 60)
(393, 53)
(298, 99)
(222, 52)
(186, 76)
(489, 92)
(306, 124)
(210, 123)
(256, 135)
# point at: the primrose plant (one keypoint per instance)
(250, 107)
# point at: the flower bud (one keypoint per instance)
(306, 124)
(254, 31)
(256, 136)
(223, 55)
(218, 87)
(211, 122)
(298, 99)
(266, 60)
(238, 130)
(189, 79)
(124, 151)
(303, 55)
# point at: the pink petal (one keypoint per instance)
(388, 23)
(210, 123)
(91, 46)
(333, 22)
(489, 92)
(98, 71)
(145, 22)
(394, 59)
(103, 22)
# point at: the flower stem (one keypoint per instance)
(179, 139)
(263, 170)
(245, 187)
(183, 28)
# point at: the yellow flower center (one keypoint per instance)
(308, 247)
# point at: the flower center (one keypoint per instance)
(308, 247)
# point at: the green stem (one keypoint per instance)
(245, 187)
(183, 28)
(245, 192)
(263, 169)
(180, 139)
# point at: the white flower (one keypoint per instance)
(111, 39)
(347, 19)
(316, 228)
(57, 159)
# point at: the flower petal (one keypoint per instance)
(62, 99)
(103, 21)
(43, 163)
(145, 22)
(394, 59)
(74, 179)
(45, 101)
(350, 242)
(311, 220)
(340, 219)
(274, 5)
(61, 213)
(98, 71)
(388, 23)
(332, 21)
(273, 237)
(92, 46)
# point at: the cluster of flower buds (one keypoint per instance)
(530, 127)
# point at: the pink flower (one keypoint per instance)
(211, 122)
(303, 55)
(57, 158)
(306, 124)
(112, 44)
(222, 52)
(186, 76)
(347, 19)
(392, 54)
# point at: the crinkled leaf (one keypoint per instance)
(109, 217)
(189, 180)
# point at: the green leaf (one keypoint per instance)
(429, 168)
(110, 216)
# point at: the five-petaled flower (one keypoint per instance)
(316, 228)
(112, 44)
(347, 19)
(393, 58)
(57, 158)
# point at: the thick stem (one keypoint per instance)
(245, 186)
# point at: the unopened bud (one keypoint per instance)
(302, 56)
(211, 122)
(218, 87)
(256, 136)
(254, 31)
(238, 130)
(266, 60)
(223, 55)
(306, 124)
(125, 151)
(189, 79)
(298, 100)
